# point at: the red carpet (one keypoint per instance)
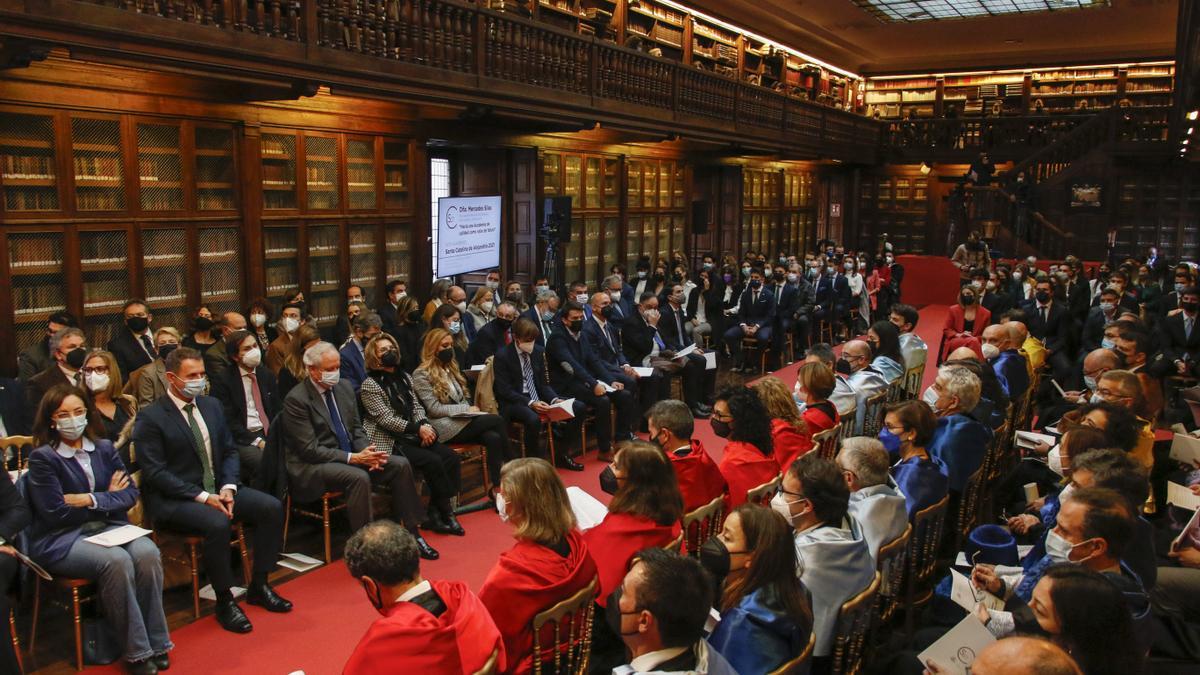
(331, 611)
(929, 280)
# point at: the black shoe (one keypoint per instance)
(699, 413)
(435, 522)
(425, 550)
(453, 526)
(161, 661)
(569, 464)
(264, 596)
(232, 618)
(143, 667)
(704, 408)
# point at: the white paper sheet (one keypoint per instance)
(478, 367)
(958, 649)
(298, 562)
(967, 596)
(682, 353)
(1022, 551)
(643, 372)
(1191, 526)
(589, 511)
(1185, 449)
(1030, 439)
(710, 360)
(561, 411)
(608, 388)
(1182, 497)
(207, 593)
(118, 536)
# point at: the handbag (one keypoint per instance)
(100, 645)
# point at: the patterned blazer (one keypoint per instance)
(381, 420)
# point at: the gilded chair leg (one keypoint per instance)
(241, 537)
(287, 518)
(325, 518)
(195, 563)
(78, 628)
(16, 641)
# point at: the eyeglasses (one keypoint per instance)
(101, 370)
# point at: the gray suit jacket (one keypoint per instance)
(438, 411)
(308, 435)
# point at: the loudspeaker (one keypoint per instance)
(700, 211)
(557, 222)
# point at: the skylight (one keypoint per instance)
(907, 11)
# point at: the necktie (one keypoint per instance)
(754, 298)
(1187, 327)
(339, 429)
(617, 309)
(258, 403)
(778, 294)
(679, 324)
(659, 341)
(1045, 315)
(527, 371)
(148, 346)
(198, 442)
(508, 337)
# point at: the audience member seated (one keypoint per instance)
(575, 372)
(832, 298)
(766, 614)
(328, 450)
(102, 382)
(493, 336)
(912, 347)
(1098, 317)
(1095, 365)
(216, 357)
(877, 510)
(646, 348)
(885, 344)
(409, 331)
(602, 339)
(514, 294)
(40, 355)
(78, 487)
(190, 473)
(389, 310)
(669, 597)
(842, 396)
(832, 561)
(343, 327)
(992, 409)
(1049, 321)
(251, 400)
(294, 371)
(922, 479)
(671, 426)
(790, 436)
(862, 377)
(15, 517)
(548, 563)
(131, 344)
(290, 319)
(1135, 348)
(149, 382)
(542, 313)
(699, 382)
(1011, 368)
(395, 421)
(438, 296)
(259, 314)
(755, 314)
(69, 352)
(965, 323)
(444, 395)
(1027, 345)
(449, 318)
(523, 391)
(363, 330)
(814, 384)
(480, 310)
(748, 459)
(960, 442)
(428, 625)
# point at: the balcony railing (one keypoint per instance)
(454, 49)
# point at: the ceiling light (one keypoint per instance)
(1193, 115)
(925, 168)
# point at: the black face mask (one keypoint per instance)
(364, 340)
(658, 278)
(720, 428)
(576, 325)
(967, 300)
(607, 312)
(755, 283)
(77, 357)
(163, 351)
(613, 613)
(1042, 297)
(414, 316)
(608, 481)
(504, 324)
(138, 324)
(1189, 307)
(390, 359)
(203, 323)
(842, 366)
(779, 276)
(514, 297)
(714, 556)
(446, 355)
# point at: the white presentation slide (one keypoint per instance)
(468, 234)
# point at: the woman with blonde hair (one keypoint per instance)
(408, 332)
(789, 432)
(548, 563)
(294, 371)
(443, 393)
(102, 381)
(482, 308)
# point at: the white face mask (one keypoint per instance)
(1059, 549)
(1096, 398)
(581, 298)
(71, 428)
(615, 296)
(1054, 460)
(455, 327)
(541, 288)
(461, 306)
(492, 284)
(330, 378)
(526, 347)
(502, 507)
(487, 306)
(1065, 494)
(97, 382)
(400, 296)
(990, 351)
(930, 397)
(290, 324)
(259, 320)
(252, 358)
(783, 507)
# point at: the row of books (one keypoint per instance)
(93, 167)
(27, 167)
(27, 198)
(105, 294)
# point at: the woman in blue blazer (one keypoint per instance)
(78, 487)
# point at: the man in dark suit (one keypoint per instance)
(833, 299)
(328, 450)
(14, 517)
(575, 372)
(1078, 293)
(354, 364)
(993, 302)
(522, 388)
(756, 313)
(699, 383)
(396, 291)
(191, 482)
(1168, 305)
(216, 358)
(14, 420)
(1098, 317)
(542, 312)
(36, 357)
(806, 298)
(602, 338)
(251, 398)
(786, 298)
(622, 309)
(68, 355)
(646, 349)
(494, 335)
(133, 346)
(355, 305)
(1181, 342)
(1050, 323)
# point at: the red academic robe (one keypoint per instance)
(789, 442)
(821, 416)
(617, 539)
(528, 579)
(700, 481)
(408, 638)
(745, 468)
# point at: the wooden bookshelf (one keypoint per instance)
(99, 164)
(362, 174)
(593, 182)
(656, 199)
(216, 170)
(28, 163)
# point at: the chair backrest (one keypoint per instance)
(847, 422)
(912, 381)
(21, 447)
(853, 628)
(826, 442)
(569, 624)
(995, 458)
(675, 544)
(489, 668)
(895, 390)
(799, 665)
(762, 494)
(702, 524)
(928, 525)
(873, 417)
(968, 506)
(891, 563)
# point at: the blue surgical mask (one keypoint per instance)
(455, 327)
(1107, 344)
(1179, 287)
(71, 428)
(1089, 382)
(194, 388)
(891, 442)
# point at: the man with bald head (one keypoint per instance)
(1095, 365)
(1018, 656)
(216, 359)
(602, 338)
(863, 379)
(1009, 365)
(494, 334)
(458, 297)
(1023, 340)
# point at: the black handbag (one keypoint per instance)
(100, 644)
